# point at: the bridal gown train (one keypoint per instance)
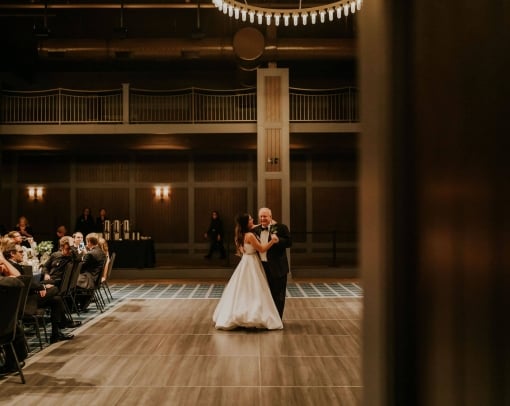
(246, 300)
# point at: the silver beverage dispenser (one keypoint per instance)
(125, 230)
(107, 229)
(116, 230)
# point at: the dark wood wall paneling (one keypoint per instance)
(124, 185)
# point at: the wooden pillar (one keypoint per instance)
(273, 169)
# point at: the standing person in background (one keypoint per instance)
(25, 230)
(85, 222)
(100, 220)
(61, 232)
(215, 235)
(274, 261)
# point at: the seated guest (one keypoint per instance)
(92, 268)
(78, 247)
(61, 232)
(53, 269)
(25, 231)
(41, 296)
(103, 244)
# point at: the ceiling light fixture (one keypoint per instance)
(299, 15)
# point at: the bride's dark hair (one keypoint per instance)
(241, 229)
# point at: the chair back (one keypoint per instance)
(66, 279)
(11, 291)
(27, 282)
(110, 265)
(74, 278)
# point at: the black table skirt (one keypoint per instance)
(133, 254)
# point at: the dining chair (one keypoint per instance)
(104, 284)
(10, 303)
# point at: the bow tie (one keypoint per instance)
(263, 228)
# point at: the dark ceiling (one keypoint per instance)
(164, 44)
(173, 37)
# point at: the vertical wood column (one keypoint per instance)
(273, 169)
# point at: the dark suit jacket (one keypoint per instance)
(277, 263)
(93, 265)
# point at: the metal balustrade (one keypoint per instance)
(191, 105)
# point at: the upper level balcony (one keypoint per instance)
(192, 110)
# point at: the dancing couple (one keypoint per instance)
(255, 294)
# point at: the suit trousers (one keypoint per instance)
(278, 288)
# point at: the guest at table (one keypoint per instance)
(91, 270)
(25, 230)
(41, 296)
(103, 244)
(54, 268)
(78, 246)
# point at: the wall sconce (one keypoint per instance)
(35, 193)
(162, 192)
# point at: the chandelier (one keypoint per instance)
(299, 15)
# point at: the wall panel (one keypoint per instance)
(43, 168)
(298, 213)
(102, 169)
(335, 209)
(161, 168)
(334, 168)
(298, 168)
(164, 221)
(222, 168)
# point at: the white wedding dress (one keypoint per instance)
(246, 300)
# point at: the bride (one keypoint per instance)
(246, 300)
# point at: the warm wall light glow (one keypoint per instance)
(35, 193)
(162, 192)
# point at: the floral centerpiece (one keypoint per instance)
(44, 249)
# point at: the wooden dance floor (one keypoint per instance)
(165, 351)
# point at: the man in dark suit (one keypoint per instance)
(91, 270)
(41, 296)
(274, 261)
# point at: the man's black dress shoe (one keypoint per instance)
(55, 338)
(72, 324)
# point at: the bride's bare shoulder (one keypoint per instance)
(249, 238)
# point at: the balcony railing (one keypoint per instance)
(191, 105)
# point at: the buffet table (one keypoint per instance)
(133, 253)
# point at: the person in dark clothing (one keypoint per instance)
(91, 271)
(59, 233)
(53, 269)
(85, 223)
(26, 231)
(100, 220)
(215, 236)
(41, 295)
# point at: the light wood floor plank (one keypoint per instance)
(167, 352)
